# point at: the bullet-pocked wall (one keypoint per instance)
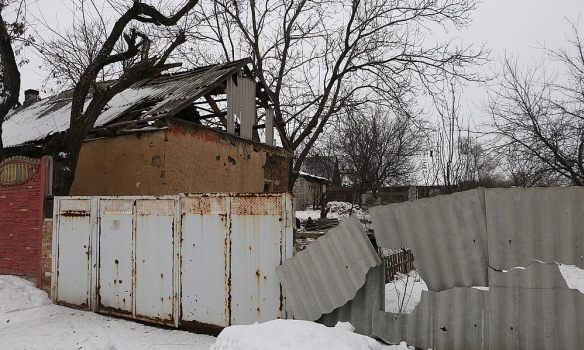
(182, 160)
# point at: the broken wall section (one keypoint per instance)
(329, 272)
(523, 235)
(447, 234)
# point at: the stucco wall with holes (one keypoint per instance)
(182, 160)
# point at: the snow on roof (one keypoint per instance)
(166, 94)
(313, 177)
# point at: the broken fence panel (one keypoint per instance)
(360, 310)
(329, 272)
(447, 235)
(451, 319)
(532, 307)
(536, 223)
(528, 304)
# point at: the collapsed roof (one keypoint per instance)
(225, 97)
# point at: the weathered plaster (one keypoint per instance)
(182, 160)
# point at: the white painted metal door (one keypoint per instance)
(258, 245)
(205, 259)
(154, 248)
(208, 260)
(116, 261)
(73, 256)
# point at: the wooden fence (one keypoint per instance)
(400, 261)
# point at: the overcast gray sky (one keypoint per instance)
(518, 27)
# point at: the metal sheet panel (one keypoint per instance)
(452, 319)
(140, 244)
(270, 127)
(529, 303)
(247, 90)
(328, 273)
(205, 252)
(230, 90)
(73, 251)
(538, 223)
(533, 308)
(257, 248)
(447, 234)
(154, 245)
(116, 261)
(359, 310)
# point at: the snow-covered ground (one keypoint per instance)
(293, 334)
(404, 293)
(28, 320)
(338, 210)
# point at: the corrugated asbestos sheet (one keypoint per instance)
(167, 94)
(329, 272)
(360, 310)
(528, 233)
(533, 308)
(544, 224)
(452, 319)
(447, 234)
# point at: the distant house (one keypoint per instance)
(209, 129)
(309, 189)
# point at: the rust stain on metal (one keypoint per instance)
(228, 271)
(156, 320)
(200, 327)
(281, 299)
(74, 213)
(108, 310)
(82, 306)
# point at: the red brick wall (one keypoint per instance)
(23, 184)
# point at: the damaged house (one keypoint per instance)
(209, 129)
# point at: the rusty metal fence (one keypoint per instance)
(200, 261)
(395, 262)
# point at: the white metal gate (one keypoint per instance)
(200, 261)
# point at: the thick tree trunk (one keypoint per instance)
(10, 78)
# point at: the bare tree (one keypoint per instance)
(323, 156)
(458, 161)
(378, 149)
(12, 34)
(448, 164)
(538, 117)
(101, 51)
(523, 170)
(318, 57)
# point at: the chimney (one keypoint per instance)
(30, 96)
